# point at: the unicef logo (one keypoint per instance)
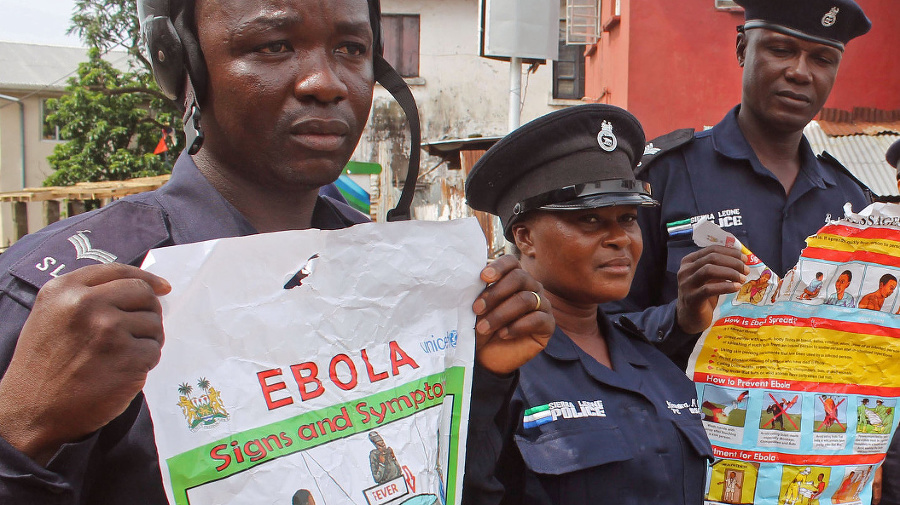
(439, 343)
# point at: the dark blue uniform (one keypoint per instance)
(890, 484)
(577, 432)
(718, 175)
(118, 464)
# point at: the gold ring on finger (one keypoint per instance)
(538, 298)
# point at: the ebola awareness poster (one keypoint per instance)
(798, 378)
(317, 367)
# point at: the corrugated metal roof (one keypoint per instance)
(860, 121)
(863, 155)
(841, 129)
(26, 67)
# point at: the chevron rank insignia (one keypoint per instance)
(84, 250)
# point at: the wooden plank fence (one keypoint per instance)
(75, 196)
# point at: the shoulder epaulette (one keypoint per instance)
(663, 144)
(629, 328)
(826, 157)
(121, 232)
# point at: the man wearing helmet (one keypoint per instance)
(276, 95)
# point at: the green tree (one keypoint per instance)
(112, 119)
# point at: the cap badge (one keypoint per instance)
(830, 18)
(607, 140)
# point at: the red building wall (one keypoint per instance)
(610, 60)
(870, 70)
(673, 64)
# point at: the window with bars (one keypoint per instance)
(48, 131)
(568, 70)
(582, 22)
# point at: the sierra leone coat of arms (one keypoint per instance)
(204, 409)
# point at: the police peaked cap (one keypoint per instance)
(830, 22)
(581, 157)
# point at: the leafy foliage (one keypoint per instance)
(113, 119)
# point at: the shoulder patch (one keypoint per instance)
(663, 144)
(828, 159)
(120, 232)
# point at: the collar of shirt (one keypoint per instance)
(197, 212)
(728, 140)
(621, 349)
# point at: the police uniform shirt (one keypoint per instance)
(578, 432)
(719, 176)
(118, 464)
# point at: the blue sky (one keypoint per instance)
(37, 22)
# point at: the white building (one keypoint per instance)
(436, 45)
(29, 75)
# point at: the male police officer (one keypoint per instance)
(285, 89)
(754, 173)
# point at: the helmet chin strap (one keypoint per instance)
(193, 134)
(391, 80)
(384, 75)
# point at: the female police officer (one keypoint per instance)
(599, 416)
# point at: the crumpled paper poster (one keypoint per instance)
(798, 378)
(328, 367)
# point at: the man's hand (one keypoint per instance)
(510, 327)
(82, 356)
(702, 277)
